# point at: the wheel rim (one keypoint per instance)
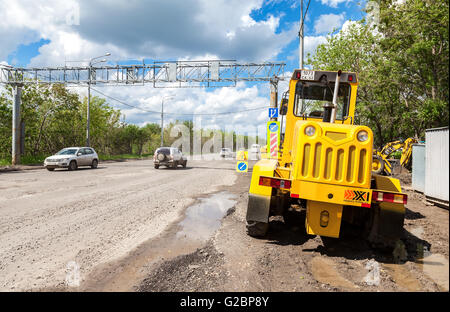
(376, 165)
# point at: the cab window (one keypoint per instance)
(311, 97)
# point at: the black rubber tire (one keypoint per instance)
(50, 169)
(94, 164)
(381, 168)
(257, 229)
(73, 165)
(184, 164)
(294, 218)
(156, 166)
(174, 164)
(329, 242)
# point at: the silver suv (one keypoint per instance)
(169, 157)
(72, 158)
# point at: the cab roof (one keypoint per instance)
(322, 75)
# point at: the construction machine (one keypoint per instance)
(324, 166)
(381, 163)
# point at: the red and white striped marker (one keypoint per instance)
(274, 144)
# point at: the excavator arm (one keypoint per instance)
(381, 162)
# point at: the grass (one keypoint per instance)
(24, 160)
(39, 160)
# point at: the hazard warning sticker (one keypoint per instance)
(356, 196)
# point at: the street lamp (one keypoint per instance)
(88, 141)
(162, 117)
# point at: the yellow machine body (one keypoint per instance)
(329, 167)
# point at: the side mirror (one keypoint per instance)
(78, 154)
(284, 106)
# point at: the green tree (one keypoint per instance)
(402, 66)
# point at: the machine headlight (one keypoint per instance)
(310, 130)
(363, 136)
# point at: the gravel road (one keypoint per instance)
(128, 227)
(53, 224)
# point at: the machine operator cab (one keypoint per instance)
(313, 94)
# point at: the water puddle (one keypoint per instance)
(204, 218)
(324, 271)
(435, 266)
(199, 223)
(402, 277)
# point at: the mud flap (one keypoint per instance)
(258, 208)
(323, 219)
(259, 196)
(387, 218)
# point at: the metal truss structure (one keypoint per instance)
(171, 74)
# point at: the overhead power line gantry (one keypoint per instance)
(176, 74)
(158, 74)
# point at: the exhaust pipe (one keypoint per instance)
(335, 96)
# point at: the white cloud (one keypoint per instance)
(135, 29)
(183, 29)
(310, 45)
(334, 3)
(327, 22)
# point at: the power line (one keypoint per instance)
(179, 114)
(304, 15)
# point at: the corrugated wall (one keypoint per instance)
(437, 163)
(418, 167)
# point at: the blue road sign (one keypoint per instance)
(273, 127)
(273, 112)
(242, 166)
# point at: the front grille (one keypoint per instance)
(346, 164)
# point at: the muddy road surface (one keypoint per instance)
(289, 260)
(56, 227)
(129, 227)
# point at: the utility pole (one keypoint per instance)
(301, 37)
(273, 94)
(88, 142)
(16, 124)
(88, 138)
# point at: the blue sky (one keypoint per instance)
(49, 33)
(287, 10)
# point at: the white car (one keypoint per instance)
(255, 152)
(72, 158)
(226, 152)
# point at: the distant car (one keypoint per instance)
(169, 157)
(255, 151)
(226, 152)
(72, 158)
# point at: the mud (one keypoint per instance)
(197, 224)
(289, 260)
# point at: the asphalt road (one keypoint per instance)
(55, 223)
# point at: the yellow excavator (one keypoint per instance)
(323, 170)
(381, 164)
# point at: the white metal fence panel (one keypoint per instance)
(437, 163)
(418, 167)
